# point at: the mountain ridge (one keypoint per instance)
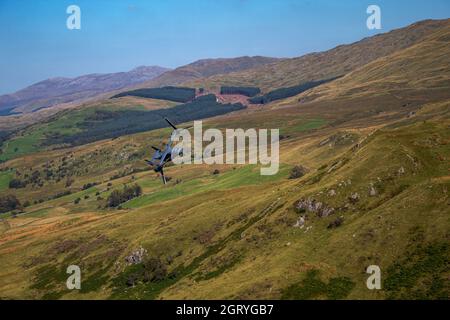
(56, 90)
(335, 62)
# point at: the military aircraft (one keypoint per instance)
(162, 157)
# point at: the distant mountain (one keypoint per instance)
(61, 90)
(327, 64)
(206, 68)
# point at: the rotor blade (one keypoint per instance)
(163, 176)
(149, 162)
(155, 148)
(170, 123)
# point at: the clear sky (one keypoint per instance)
(118, 35)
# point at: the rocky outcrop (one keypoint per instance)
(136, 256)
(319, 208)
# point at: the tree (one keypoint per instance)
(8, 203)
(114, 199)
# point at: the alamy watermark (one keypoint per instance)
(74, 280)
(237, 151)
(374, 280)
(374, 20)
(73, 22)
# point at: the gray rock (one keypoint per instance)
(354, 197)
(300, 222)
(317, 207)
(136, 256)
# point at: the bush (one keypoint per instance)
(297, 172)
(77, 201)
(8, 203)
(335, 223)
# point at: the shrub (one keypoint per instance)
(8, 203)
(335, 223)
(297, 172)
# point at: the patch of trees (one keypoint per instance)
(34, 179)
(246, 91)
(134, 121)
(177, 94)
(118, 197)
(9, 202)
(287, 92)
(17, 183)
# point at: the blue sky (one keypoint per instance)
(118, 35)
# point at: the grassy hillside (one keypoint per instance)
(241, 226)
